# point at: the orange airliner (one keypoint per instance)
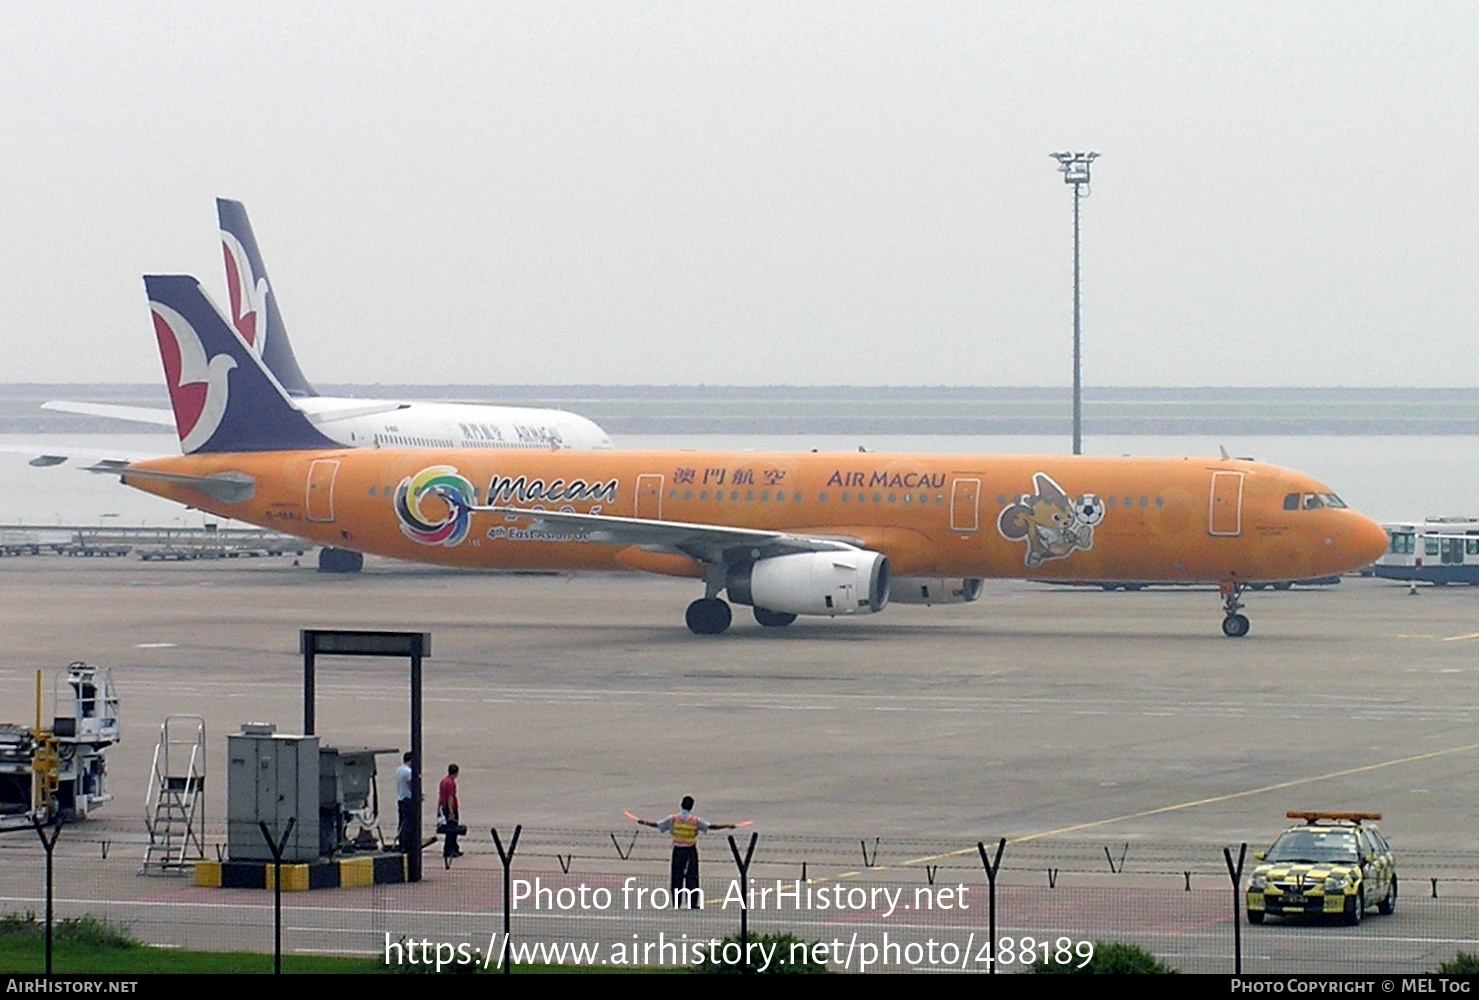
(787, 534)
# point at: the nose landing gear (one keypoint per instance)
(1234, 625)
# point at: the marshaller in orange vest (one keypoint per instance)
(685, 828)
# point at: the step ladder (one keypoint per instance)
(174, 806)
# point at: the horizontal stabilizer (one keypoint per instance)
(228, 487)
(113, 411)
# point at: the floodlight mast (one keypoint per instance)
(1075, 169)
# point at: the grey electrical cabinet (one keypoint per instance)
(271, 778)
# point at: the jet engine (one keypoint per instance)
(851, 582)
(935, 590)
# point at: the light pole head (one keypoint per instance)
(1075, 166)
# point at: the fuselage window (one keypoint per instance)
(822, 497)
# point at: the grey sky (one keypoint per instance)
(755, 193)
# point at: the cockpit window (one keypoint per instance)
(1291, 501)
(1331, 500)
(1313, 501)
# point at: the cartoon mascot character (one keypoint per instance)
(1052, 524)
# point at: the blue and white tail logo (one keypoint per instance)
(223, 397)
(254, 313)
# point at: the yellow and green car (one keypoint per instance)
(1333, 864)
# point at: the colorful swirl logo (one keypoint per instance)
(450, 529)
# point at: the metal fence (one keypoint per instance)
(600, 897)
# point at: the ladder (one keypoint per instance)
(174, 805)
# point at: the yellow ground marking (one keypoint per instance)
(1212, 800)
(1456, 638)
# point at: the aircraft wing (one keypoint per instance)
(708, 543)
(133, 414)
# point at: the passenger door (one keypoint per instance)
(1225, 506)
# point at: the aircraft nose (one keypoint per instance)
(1368, 542)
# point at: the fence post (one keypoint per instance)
(744, 869)
(276, 847)
(507, 857)
(1236, 874)
(48, 846)
(991, 867)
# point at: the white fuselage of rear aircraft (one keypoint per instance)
(371, 423)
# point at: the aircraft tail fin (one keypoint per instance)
(223, 397)
(254, 312)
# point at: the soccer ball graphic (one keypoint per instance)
(1088, 509)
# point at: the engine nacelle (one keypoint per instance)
(935, 590)
(813, 583)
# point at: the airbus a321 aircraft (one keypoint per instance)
(357, 423)
(787, 534)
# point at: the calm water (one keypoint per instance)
(1390, 478)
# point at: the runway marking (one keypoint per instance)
(1210, 800)
(1457, 638)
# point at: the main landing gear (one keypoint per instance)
(1234, 625)
(711, 616)
(708, 616)
(773, 619)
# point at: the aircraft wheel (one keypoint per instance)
(1109, 586)
(1283, 584)
(1235, 626)
(708, 616)
(332, 560)
(773, 619)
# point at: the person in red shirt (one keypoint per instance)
(448, 816)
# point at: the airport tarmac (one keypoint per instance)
(1041, 712)
(1066, 719)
